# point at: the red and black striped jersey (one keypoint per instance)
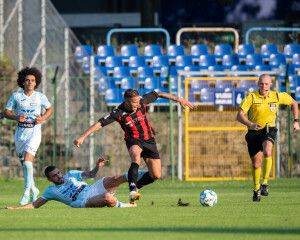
(135, 124)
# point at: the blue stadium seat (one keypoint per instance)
(103, 52)
(216, 68)
(292, 83)
(135, 62)
(282, 70)
(252, 60)
(104, 83)
(128, 82)
(244, 50)
(246, 84)
(197, 50)
(207, 95)
(111, 62)
(171, 70)
(152, 50)
(297, 94)
(158, 62)
(229, 60)
(127, 51)
(206, 60)
(113, 96)
(143, 72)
(192, 68)
(151, 83)
(99, 72)
(223, 84)
(290, 49)
(262, 67)
(173, 51)
(267, 49)
(182, 61)
(276, 60)
(240, 68)
(82, 51)
(296, 60)
(85, 64)
(119, 73)
(197, 85)
(222, 49)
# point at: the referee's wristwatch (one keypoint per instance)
(296, 120)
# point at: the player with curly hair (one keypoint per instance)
(27, 104)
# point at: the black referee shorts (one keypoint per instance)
(255, 139)
(148, 146)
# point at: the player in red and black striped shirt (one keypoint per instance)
(139, 136)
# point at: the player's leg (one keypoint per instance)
(154, 172)
(267, 165)
(102, 200)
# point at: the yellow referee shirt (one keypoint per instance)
(262, 110)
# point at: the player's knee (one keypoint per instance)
(256, 165)
(110, 200)
(156, 176)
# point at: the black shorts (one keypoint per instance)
(255, 139)
(148, 146)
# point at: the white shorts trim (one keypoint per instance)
(31, 146)
(96, 189)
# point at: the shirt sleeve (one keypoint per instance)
(48, 194)
(45, 102)
(246, 103)
(110, 118)
(284, 98)
(75, 174)
(11, 103)
(150, 97)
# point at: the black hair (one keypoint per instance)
(29, 71)
(129, 93)
(48, 170)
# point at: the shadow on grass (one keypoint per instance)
(253, 231)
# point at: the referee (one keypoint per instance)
(261, 107)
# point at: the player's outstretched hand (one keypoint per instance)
(296, 126)
(78, 141)
(256, 126)
(185, 103)
(101, 161)
(21, 118)
(39, 119)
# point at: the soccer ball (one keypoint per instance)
(208, 198)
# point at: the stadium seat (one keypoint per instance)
(143, 72)
(240, 68)
(276, 60)
(158, 62)
(207, 95)
(206, 60)
(99, 72)
(283, 67)
(267, 49)
(127, 51)
(135, 62)
(113, 96)
(85, 64)
(111, 62)
(128, 82)
(290, 49)
(119, 73)
(297, 94)
(171, 70)
(292, 83)
(152, 50)
(252, 60)
(216, 68)
(103, 52)
(262, 67)
(246, 84)
(244, 50)
(103, 84)
(192, 68)
(173, 51)
(222, 49)
(229, 60)
(151, 83)
(182, 61)
(197, 50)
(296, 60)
(82, 51)
(197, 85)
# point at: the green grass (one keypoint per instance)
(234, 217)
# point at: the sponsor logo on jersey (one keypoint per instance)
(79, 190)
(272, 107)
(26, 124)
(33, 104)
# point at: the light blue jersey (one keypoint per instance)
(31, 107)
(71, 192)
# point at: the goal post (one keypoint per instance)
(215, 146)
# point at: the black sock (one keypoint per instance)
(144, 180)
(133, 176)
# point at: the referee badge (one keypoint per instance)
(272, 107)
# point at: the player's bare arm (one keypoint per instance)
(93, 173)
(296, 116)
(244, 120)
(9, 115)
(38, 203)
(47, 114)
(95, 127)
(182, 101)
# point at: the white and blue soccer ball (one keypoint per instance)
(208, 198)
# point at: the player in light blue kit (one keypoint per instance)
(73, 191)
(27, 105)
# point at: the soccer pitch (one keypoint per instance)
(158, 217)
